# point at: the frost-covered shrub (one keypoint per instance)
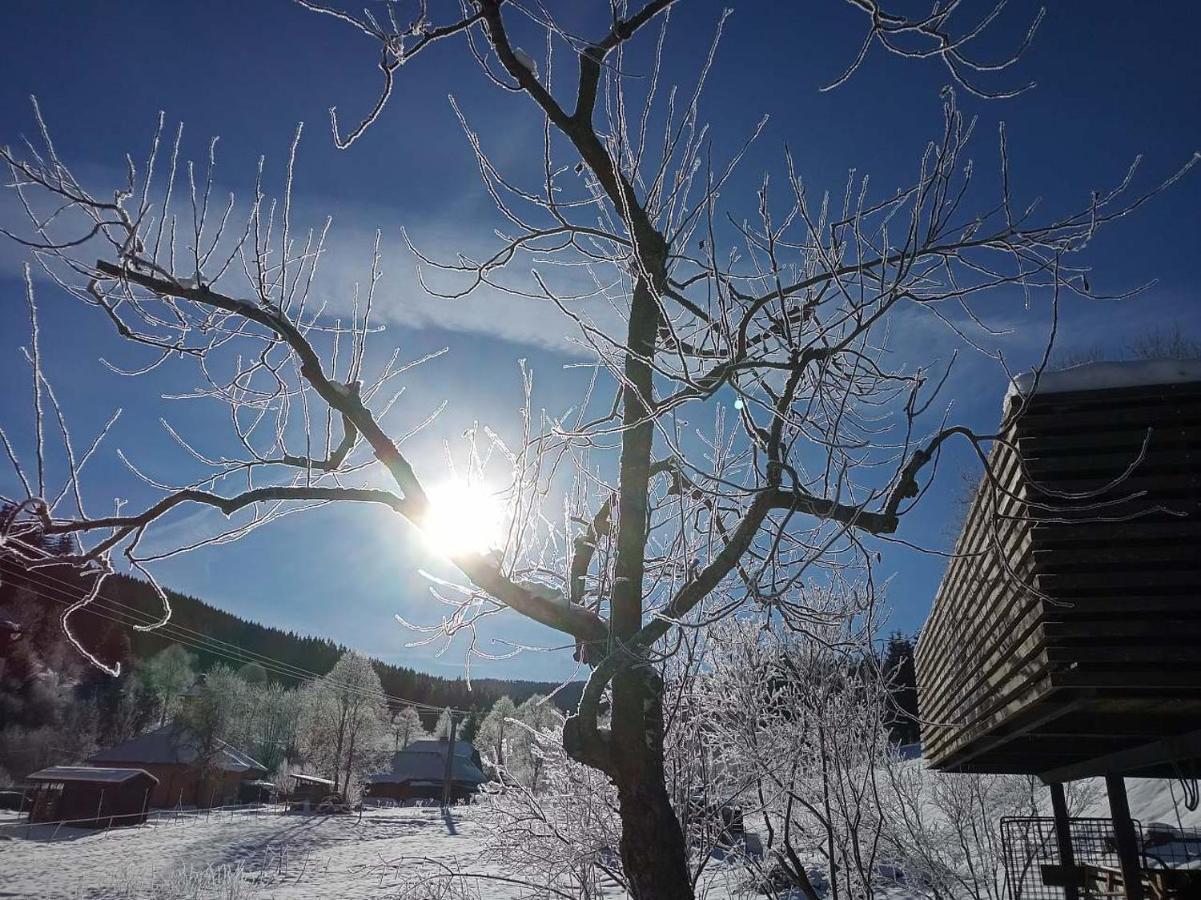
(565, 834)
(187, 882)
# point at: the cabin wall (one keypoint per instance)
(182, 785)
(92, 804)
(403, 792)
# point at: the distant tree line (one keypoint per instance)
(55, 708)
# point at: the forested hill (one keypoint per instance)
(216, 637)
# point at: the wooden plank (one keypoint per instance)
(1123, 627)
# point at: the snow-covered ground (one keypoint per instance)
(405, 852)
(248, 855)
(243, 854)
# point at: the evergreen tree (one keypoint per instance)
(901, 676)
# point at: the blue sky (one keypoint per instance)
(1111, 84)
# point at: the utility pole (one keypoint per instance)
(450, 756)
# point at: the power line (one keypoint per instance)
(236, 655)
(170, 627)
(199, 641)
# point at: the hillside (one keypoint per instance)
(36, 599)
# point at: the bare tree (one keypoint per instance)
(781, 305)
(167, 675)
(406, 727)
(496, 729)
(442, 726)
(796, 723)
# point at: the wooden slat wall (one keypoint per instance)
(1043, 600)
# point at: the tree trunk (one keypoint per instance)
(338, 749)
(653, 853)
(349, 764)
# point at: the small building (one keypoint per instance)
(257, 791)
(171, 755)
(91, 797)
(419, 773)
(309, 789)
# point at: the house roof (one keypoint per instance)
(418, 765)
(462, 748)
(171, 745)
(89, 774)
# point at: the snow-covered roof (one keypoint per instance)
(417, 765)
(89, 774)
(172, 745)
(311, 779)
(1100, 376)
(462, 748)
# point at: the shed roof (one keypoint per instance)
(311, 779)
(172, 745)
(90, 774)
(418, 765)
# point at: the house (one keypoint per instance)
(419, 773)
(91, 797)
(171, 755)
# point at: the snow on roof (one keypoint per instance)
(1108, 375)
(417, 765)
(89, 774)
(171, 745)
(311, 779)
(462, 748)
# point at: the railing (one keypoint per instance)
(1032, 859)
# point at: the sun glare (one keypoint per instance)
(463, 518)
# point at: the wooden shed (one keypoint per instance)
(309, 789)
(89, 797)
(183, 777)
(1065, 638)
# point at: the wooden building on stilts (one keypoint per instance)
(1065, 638)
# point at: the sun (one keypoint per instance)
(463, 518)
